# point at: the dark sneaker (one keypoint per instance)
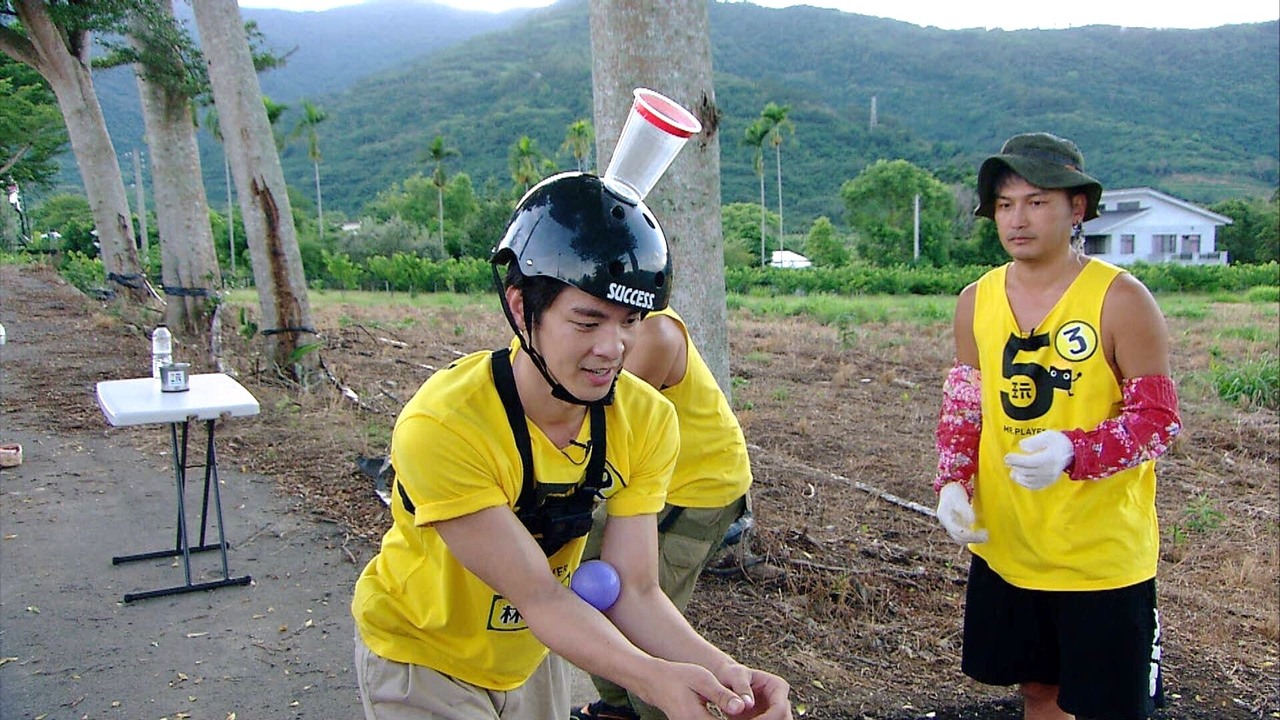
(599, 710)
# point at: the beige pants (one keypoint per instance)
(395, 691)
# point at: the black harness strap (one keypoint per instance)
(552, 521)
(555, 520)
(404, 498)
(505, 380)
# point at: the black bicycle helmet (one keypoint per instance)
(574, 228)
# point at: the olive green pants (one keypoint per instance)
(687, 540)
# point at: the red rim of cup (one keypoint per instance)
(665, 114)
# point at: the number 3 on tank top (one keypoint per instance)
(1076, 341)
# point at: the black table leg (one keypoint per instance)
(182, 545)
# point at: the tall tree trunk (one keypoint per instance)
(763, 259)
(440, 211)
(140, 193)
(319, 202)
(63, 59)
(260, 187)
(777, 150)
(189, 263)
(665, 45)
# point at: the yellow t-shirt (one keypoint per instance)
(454, 455)
(713, 468)
(1072, 535)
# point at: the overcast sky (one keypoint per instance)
(948, 14)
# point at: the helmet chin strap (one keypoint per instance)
(558, 391)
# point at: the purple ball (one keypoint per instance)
(596, 582)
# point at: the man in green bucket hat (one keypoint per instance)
(1058, 404)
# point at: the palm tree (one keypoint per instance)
(578, 140)
(754, 138)
(312, 116)
(524, 162)
(779, 123)
(437, 152)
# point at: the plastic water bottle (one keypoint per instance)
(161, 349)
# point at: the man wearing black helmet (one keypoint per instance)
(1052, 418)
(498, 461)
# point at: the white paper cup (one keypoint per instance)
(651, 138)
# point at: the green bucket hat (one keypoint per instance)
(1044, 160)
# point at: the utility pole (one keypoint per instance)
(231, 213)
(142, 204)
(916, 233)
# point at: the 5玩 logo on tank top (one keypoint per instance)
(1030, 385)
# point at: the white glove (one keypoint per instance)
(956, 515)
(1043, 458)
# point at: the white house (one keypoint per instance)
(788, 259)
(1141, 224)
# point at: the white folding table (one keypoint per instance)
(211, 396)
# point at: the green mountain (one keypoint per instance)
(1195, 113)
(326, 53)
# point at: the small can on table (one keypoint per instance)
(174, 377)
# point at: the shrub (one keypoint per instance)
(1255, 382)
(1263, 294)
(82, 271)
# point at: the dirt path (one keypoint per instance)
(86, 492)
(278, 648)
(70, 648)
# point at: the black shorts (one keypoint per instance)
(1102, 648)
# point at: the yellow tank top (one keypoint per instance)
(1089, 535)
(713, 468)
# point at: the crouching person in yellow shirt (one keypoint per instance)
(499, 459)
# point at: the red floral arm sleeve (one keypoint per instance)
(1148, 422)
(959, 428)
